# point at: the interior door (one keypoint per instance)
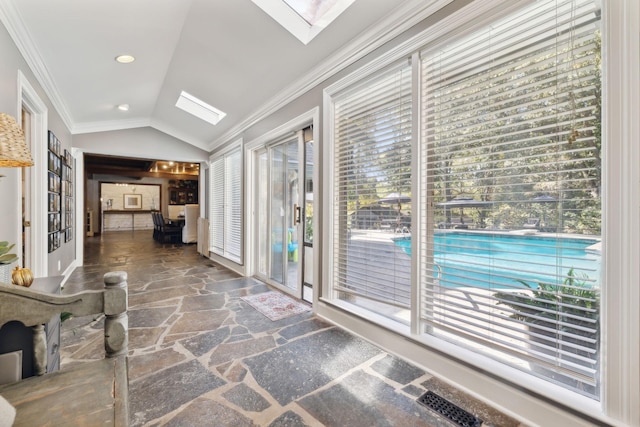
(279, 214)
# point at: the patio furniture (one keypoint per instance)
(461, 222)
(532, 223)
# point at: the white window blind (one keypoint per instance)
(511, 162)
(233, 208)
(226, 205)
(372, 159)
(217, 206)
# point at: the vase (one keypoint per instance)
(5, 273)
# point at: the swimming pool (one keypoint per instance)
(499, 260)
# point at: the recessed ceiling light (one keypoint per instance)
(199, 108)
(125, 59)
(123, 107)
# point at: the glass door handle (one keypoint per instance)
(296, 214)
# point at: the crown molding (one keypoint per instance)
(399, 21)
(13, 22)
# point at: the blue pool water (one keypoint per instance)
(499, 260)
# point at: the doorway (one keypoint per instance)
(32, 115)
(27, 246)
(281, 184)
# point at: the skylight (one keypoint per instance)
(305, 19)
(311, 10)
(199, 108)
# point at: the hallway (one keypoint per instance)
(201, 356)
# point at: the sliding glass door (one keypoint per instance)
(279, 214)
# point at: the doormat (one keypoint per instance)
(276, 305)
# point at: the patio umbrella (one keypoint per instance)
(545, 198)
(395, 198)
(464, 202)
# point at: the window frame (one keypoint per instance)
(467, 64)
(391, 77)
(621, 248)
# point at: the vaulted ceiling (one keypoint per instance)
(229, 53)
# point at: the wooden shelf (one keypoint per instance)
(184, 191)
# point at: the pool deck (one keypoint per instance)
(379, 247)
(477, 310)
(479, 303)
(521, 232)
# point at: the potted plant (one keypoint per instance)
(562, 319)
(6, 259)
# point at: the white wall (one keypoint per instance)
(133, 219)
(145, 143)
(10, 185)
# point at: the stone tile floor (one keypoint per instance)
(201, 356)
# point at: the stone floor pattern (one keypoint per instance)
(201, 356)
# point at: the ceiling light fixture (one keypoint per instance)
(123, 107)
(125, 59)
(199, 108)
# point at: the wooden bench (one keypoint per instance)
(86, 394)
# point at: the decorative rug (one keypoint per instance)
(276, 305)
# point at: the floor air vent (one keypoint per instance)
(448, 410)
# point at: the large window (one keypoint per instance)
(503, 214)
(373, 179)
(511, 122)
(226, 205)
